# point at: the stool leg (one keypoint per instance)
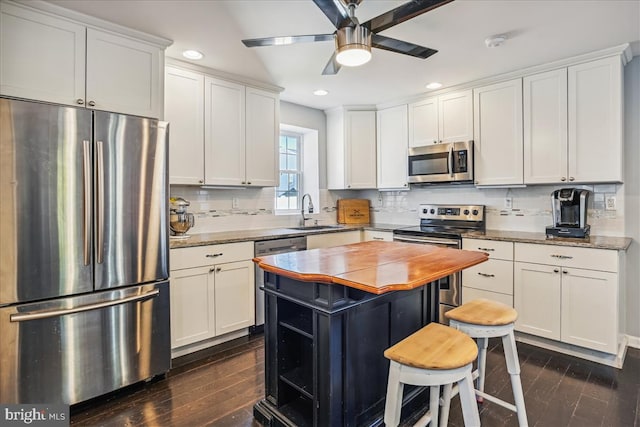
(467, 399)
(482, 364)
(513, 366)
(446, 404)
(434, 404)
(393, 405)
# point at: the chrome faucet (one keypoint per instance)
(302, 223)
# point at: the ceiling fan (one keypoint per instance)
(354, 40)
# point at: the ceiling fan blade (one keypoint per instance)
(402, 13)
(399, 46)
(284, 40)
(332, 66)
(337, 13)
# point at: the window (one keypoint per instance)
(290, 190)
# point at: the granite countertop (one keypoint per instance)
(596, 242)
(375, 267)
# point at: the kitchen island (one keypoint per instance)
(331, 313)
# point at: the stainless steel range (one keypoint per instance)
(444, 225)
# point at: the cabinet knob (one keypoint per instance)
(211, 270)
(249, 182)
(555, 270)
(404, 184)
(563, 179)
(92, 104)
(79, 101)
(243, 182)
(440, 141)
(565, 272)
(218, 269)
(571, 178)
(201, 181)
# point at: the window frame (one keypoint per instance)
(299, 171)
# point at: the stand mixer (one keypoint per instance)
(180, 221)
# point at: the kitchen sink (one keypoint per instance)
(315, 227)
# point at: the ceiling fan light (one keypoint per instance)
(353, 55)
(353, 46)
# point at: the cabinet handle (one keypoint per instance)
(563, 179)
(378, 238)
(555, 270)
(486, 275)
(79, 101)
(562, 256)
(214, 255)
(571, 178)
(486, 249)
(92, 104)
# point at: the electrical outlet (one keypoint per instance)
(234, 203)
(508, 202)
(610, 202)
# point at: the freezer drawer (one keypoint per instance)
(72, 349)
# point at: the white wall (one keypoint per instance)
(632, 192)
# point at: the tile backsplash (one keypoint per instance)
(253, 208)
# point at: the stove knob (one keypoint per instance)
(433, 211)
(424, 211)
(466, 212)
(475, 212)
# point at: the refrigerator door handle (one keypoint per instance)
(86, 179)
(100, 203)
(23, 317)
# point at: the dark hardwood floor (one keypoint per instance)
(219, 388)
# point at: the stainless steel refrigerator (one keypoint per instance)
(84, 291)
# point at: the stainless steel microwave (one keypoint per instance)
(441, 163)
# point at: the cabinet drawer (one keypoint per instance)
(495, 249)
(386, 236)
(568, 256)
(469, 294)
(208, 255)
(493, 275)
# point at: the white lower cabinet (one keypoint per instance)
(212, 292)
(368, 235)
(328, 240)
(556, 300)
(492, 279)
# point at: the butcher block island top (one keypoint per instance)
(376, 267)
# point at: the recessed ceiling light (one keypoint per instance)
(192, 54)
(434, 85)
(495, 41)
(320, 92)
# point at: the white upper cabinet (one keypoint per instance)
(595, 121)
(498, 133)
(351, 149)
(545, 127)
(224, 133)
(47, 58)
(184, 110)
(392, 134)
(445, 118)
(261, 139)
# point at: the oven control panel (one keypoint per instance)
(452, 212)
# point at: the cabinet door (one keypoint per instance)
(41, 57)
(360, 155)
(498, 133)
(455, 116)
(192, 306)
(224, 148)
(595, 121)
(124, 75)
(536, 298)
(392, 147)
(589, 309)
(184, 109)
(234, 296)
(545, 127)
(262, 134)
(423, 122)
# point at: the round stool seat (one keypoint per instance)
(435, 346)
(483, 312)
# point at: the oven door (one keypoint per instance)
(450, 295)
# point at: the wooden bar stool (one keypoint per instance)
(483, 319)
(433, 356)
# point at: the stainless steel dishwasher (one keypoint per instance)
(272, 247)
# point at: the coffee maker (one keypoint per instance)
(569, 210)
(180, 221)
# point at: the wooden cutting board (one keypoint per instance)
(353, 211)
